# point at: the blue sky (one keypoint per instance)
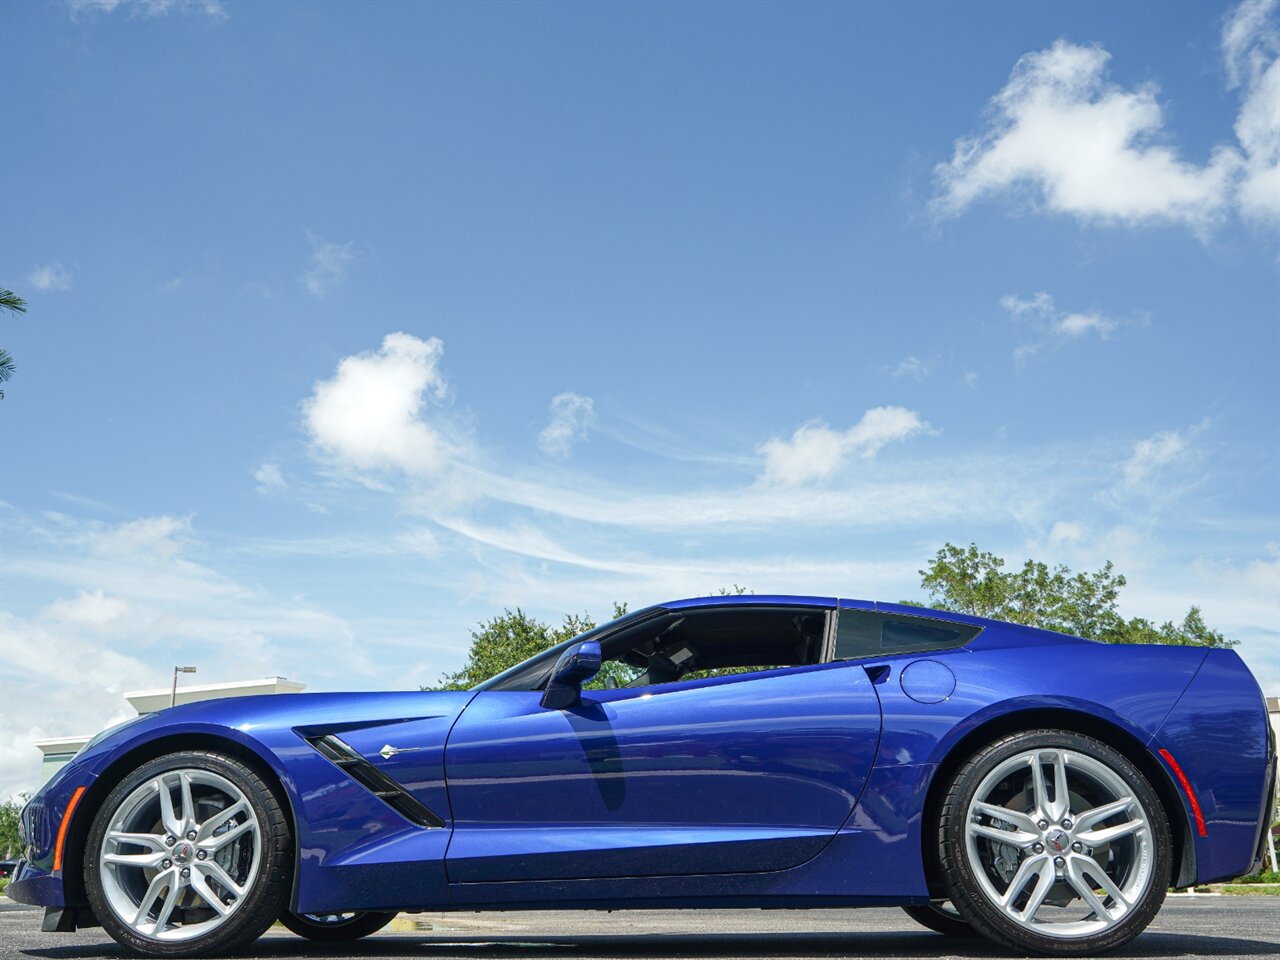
(351, 324)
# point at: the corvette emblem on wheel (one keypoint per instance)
(1037, 789)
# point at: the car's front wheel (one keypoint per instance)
(1054, 842)
(189, 855)
(335, 926)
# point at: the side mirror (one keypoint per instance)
(576, 665)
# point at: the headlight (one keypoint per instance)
(98, 738)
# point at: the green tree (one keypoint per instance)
(496, 645)
(511, 638)
(973, 581)
(14, 304)
(9, 813)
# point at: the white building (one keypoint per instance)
(59, 750)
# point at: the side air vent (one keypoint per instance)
(374, 780)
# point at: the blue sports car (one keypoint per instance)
(1039, 789)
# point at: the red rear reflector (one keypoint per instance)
(1186, 788)
(62, 828)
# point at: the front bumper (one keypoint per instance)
(37, 887)
(35, 880)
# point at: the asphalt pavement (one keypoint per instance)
(1187, 927)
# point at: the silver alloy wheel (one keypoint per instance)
(180, 854)
(1059, 843)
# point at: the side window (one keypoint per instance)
(712, 642)
(863, 633)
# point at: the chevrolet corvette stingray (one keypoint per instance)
(1038, 789)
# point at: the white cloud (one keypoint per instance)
(1062, 134)
(161, 538)
(91, 608)
(1251, 52)
(567, 422)
(1052, 327)
(419, 541)
(79, 701)
(1064, 137)
(816, 452)
(1258, 128)
(1065, 531)
(50, 276)
(1077, 324)
(329, 263)
(1248, 37)
(368, 415)
(270, 478)
(912, 367)
(82, 7)
(1036, 307)
(127, 601)
(914, 494)
(1158, 452)
(529, 541)
(213, 9)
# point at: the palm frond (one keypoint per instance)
(7, 366)
(11, 301)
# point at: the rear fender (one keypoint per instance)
(1218, 740)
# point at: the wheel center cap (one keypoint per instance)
(1057, 841)
(183, 852)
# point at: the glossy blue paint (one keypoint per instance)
(1219, 734)
(749, 600)
(576, 666)
(724, 775)
(927, 681)
(800, 786)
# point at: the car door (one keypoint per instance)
(740, 773)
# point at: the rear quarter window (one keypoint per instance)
(863, 633)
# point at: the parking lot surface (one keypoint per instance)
(1187, 927)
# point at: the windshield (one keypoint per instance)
(532, 673)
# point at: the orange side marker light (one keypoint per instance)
(62, 828)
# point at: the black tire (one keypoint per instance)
(979, 909)
(942, 918)
(263, 900)
(333, 927)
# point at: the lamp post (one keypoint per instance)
(173, 694)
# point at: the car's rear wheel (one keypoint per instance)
(1054, 842)
(189, 855)
(335, 926)
(942, 917)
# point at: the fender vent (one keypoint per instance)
(345, 756)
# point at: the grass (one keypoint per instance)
(1266, 876)
(1251, 890)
